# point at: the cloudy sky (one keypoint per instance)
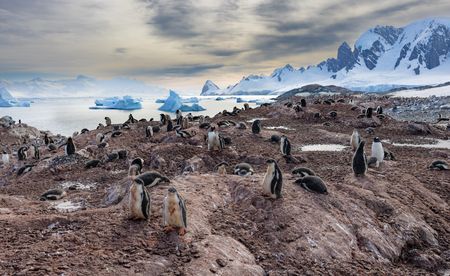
(181, 43)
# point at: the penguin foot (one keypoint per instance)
(168, 229)
(182, 231)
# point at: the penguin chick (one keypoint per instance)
(256, 126)
(174, 211)
(22, 153)
(139, 200)
(243, 169)
(439, 165)
(107, 121)
(213, 140)
(302, 172)
(355, 139)
(53, 194)
(313, 183)
(152, 178)
(273, 180)
(70, 147)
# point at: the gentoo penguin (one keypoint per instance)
(184, 134)
(51, 147)
(25, 169)
(213, 139)
(136, 166)
(256, 126)
(441, 119)
(47, 140)
(341, 101)
(92, 163)
(169, 125)
(107, 121)
(131, 119)
(285, 145)
(178, 116)
(37, 152)
(221, 168)
(100, 126)
(243, 169)
(152, 178)
(369, 112)
(303, 102)
(139, 200)
(359, 162)
(377, 151)
(246, 106)
(332, 114)
(297, 108)
(174, 212)
(84, 130)
(99, 138)
(302, 172)
(5, 157)
(125, 126)
(273, 180)
(22, 153)
(162, 119)
(204, 125)
(439, 165)
(379, 110)
(70, 146)
(355, 139)
(185, 123)
(156, 129)
(149, 131)
(53, 194)
(312, 183)
(275, 139)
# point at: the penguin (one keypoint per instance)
(84, 130)
(22, 153)
(377, 151)
(370, 130)
(5, 157)
(70, 147)
(241, 125)
(317, 115)
(256, 126)
(184, 133)
(302, 172)
(327, 102)
(156, 129)
(439, 165)
(341, 101)
(213, 140)
(285, 145)
(162, 119)
(169, 125)
(152, 178)
(297, 108)
(112, 156)
(24, 169)
(116, 133)
(139, 200)
(107, 121)
(100, 126)
(53, 194)
(178, 116)
(275, 139)
(379, 110)
(149, 131)
(37, 153)
(99, 138)
(51, 147)
(273, 180)
(246, 106)
(92, 163)
(288, 105)
(190, 117)
(179, 121)
(332, 114)
(48, 140)
(442, 119)
(312, 183)
(122, 153)
(359, 161)
(126, 126)
(303, 102)
(102, 145)
(369, 112)
(174, 212)
(131, 119)
(135, 168)
(185, 122)
(355, 139)
(388, 155)
(372, 162)
(204, 125)
(243, 169)
(221, 168)
(222, 142)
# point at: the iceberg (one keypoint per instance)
(7, 100)
(174, 102)
(124, 103)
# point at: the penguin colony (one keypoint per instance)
(174, 208)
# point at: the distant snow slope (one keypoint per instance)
(382, 58)
(436, 91)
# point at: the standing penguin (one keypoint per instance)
(149, 131)
(273, 180)
(213, 139)
(47, 140)
(256, 126)
(99, 138)
(359, 162)
(22, 153)
(174, 212)
(303, 102)
(355, 139)
(37, 153)
(246, 106)
(179, 117)
(369, 112)
(70, 146)
(162, 119)
(285, 146)
(379, 110)
(5, 157)
(377, 151)
(139, 203)
(107, 121)
(169, 125)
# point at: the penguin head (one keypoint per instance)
(376, 139)
(69, 140)
(138, 161)
(172, 190)
(271, 161)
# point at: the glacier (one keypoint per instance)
(7, 100)
(124, 103)
(175, 102)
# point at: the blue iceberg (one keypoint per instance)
(7, 100)
(124, 103)
(174, 102)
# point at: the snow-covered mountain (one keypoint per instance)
(210, 88)
(382, 58)
(81, 86)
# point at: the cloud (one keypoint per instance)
(121, 50)
(177, 70)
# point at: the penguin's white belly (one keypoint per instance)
(378, 152)
(174, 218)
(136, 202)
(354, 142)
(267, 183)
(5, 158)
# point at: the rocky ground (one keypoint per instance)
(395, 220)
